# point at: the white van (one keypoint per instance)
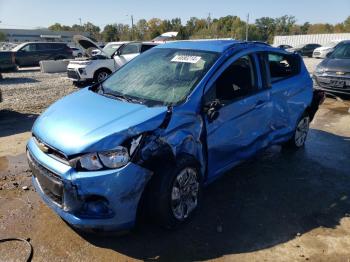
(113, 56)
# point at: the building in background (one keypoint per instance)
(17, 36)
(295, 40)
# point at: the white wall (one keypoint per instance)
(321, 39)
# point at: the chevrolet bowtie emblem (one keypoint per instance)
(43, 148)
(340, 73)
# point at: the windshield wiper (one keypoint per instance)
(124, 98)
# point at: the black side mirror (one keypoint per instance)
(212, 109)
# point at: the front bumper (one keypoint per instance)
(78, 74)
(324, 82)
(320, 54)
(120, 188)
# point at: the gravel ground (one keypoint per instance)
(30, 91)
(311, 63)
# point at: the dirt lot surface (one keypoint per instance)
(279, 206)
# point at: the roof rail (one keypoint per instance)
(259, 42)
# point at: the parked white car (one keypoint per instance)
(165, 37)
(97, 68)
(321, 52)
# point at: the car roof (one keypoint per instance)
(218, 46)
(61, 43)
(117, 43)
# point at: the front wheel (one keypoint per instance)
(101, 75)
(177, 193)
(300, 134)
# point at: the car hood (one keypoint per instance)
(87, 44)
(294, 49)
(88, 122)
(322, 48)
(337, 65)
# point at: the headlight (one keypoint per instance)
(116, 158)
(320, 70)
(90, 162)
(85, 62)
(82, 71)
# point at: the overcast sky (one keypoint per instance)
(42, 13)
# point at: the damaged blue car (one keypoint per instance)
(162, 127)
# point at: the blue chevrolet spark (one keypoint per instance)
(169, 122)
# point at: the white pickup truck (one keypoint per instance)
(113, 56)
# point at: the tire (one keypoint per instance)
(101, 75)
(300, 133)
(175, 193)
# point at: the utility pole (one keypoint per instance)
(80, 21)
(209, 20)
(247, 28)
(132, 27)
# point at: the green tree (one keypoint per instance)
(142, 29)
(305, 28)
(154, 26)
(265, 28)
(347, 25)
(55, 27)
(2, 37)
(110, 33)
(284, 24)
(77, 28)
(176, 24)
(191, 25)
(93, 30)
(320, 29)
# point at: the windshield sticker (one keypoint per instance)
(186, 59)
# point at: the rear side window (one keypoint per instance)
(43, 47)
(146, 47)
(283, 66)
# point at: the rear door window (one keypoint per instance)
(132, 48)
(283, 66)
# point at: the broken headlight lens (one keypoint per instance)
(116, 158)
(90, 162)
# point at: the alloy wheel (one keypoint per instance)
(184, 194)
(301, 131)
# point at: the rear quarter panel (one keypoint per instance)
(291, 97)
